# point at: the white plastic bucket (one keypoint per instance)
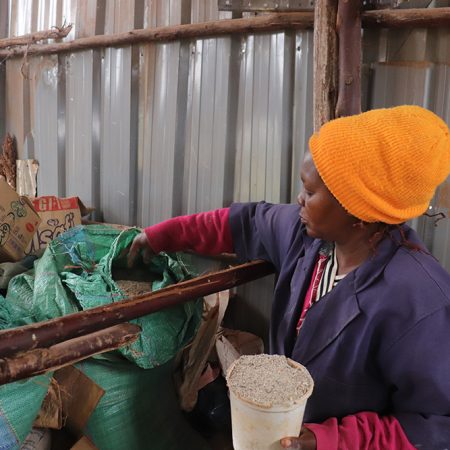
(257, 427)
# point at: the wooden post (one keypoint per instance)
(325, 61)
(44, 334)
(348, 26)
(41, 360)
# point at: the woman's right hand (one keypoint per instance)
(140, 245)
(306, 441)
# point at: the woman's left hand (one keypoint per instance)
(306, 441)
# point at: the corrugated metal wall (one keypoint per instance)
(146, 132)
(413, 67)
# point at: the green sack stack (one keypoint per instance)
(76, 273)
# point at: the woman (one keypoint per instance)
(358, 299)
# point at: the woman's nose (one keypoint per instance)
(301, 198)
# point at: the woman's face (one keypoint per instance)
(322, 214)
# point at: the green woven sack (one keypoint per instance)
(75, 273)
(139, 409)
(20, 403)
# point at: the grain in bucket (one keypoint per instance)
(268, 395)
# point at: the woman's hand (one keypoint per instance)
(306, 441)
(140, 245)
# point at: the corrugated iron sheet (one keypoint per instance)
(264, 119)
(163, 77)
(44, 92)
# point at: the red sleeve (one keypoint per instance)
(361, 431)
(206, 233)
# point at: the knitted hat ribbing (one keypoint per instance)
(383, 165)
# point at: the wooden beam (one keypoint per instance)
(325, 61)
(44, 334)
(54, 33)
(348, 27)
(266, 23)
(407, 18)
(41, 360)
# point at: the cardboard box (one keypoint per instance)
(18, 223)
(80, 396)
(76, 398)
(57, 215)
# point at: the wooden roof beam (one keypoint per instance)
(401, 18)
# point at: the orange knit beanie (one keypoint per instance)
(383, 165)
